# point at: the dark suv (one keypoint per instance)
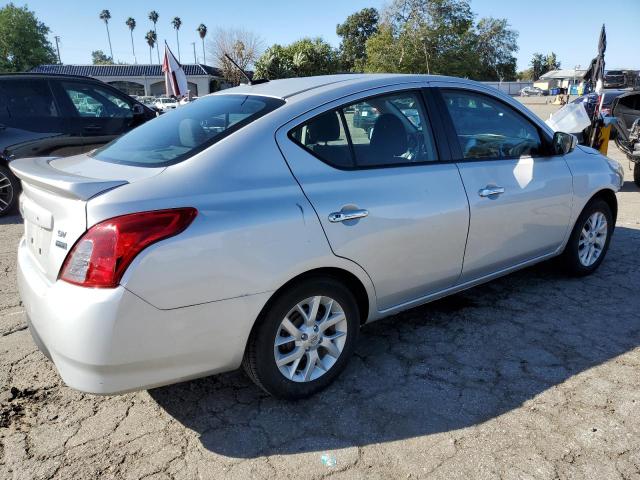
(58, 115)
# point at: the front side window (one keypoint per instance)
(386, 130)
(488, 129)
(95, 101)
(181, 133)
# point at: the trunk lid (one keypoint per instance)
(54, 198)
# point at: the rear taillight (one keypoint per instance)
(100, 257)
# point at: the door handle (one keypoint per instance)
(92, 128)
(336, 217)
(489, 191)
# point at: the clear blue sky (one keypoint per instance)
(571, 31)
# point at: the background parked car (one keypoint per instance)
(164, 103)
(531, 92)
(626, 109)
(58, 115)
(614, 79)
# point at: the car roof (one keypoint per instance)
(48, 75)
(291, 87)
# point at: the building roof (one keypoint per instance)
(154, 70)
(561, 74)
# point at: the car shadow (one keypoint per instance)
(629, 186)
(11, 220)
(451, 364)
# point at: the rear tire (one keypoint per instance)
(297, 359)
(9, 190)
(636, 174)
(589, 240)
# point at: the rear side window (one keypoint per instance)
(181, 133)
(381, 131)
(28, 98)
(488, 129)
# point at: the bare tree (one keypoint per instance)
(243, 46)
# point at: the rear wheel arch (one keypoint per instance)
(348, 279)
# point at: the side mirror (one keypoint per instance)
(137, 109)
(564, 143)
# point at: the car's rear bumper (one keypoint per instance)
(110, 341)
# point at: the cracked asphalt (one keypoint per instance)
(532, 376)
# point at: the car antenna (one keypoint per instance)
(244, 74)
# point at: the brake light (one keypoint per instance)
(101, 256)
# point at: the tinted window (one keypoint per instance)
(181, 133)
(325, 136)
(386, 130)
(28, 98)
(96, 101)
(488, 129)
(390, 130)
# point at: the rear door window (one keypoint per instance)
(29, 98)
(385, 130)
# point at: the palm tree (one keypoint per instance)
(105, 16)
(202, 31)
(151, 39)
(131, 23)
(153, 16)
(177, 23)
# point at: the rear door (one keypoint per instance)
(34, 121)
(101, 113)
(520, 196)
(384, 199)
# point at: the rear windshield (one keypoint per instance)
(181, 133)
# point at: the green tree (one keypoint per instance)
(496, 43)
(552, 62)
(98, 57)
(23, 40)
(424, 36)
(538, 66)
(105, 16)
(151, 39)
(177, 23)
(153, 16)
(355, 31)
(131, 23)
(303, 58)
(541, 64)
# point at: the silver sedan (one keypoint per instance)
(263, 225)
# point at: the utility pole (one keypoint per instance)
(57, 38)
(195, 59)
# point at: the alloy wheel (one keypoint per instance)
(593, 238)
(310, 339)
(6, 192)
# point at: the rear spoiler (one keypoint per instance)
(39, 173)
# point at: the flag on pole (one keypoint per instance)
(174, 77)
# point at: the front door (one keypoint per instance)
(370, 169)
(100, 114)
(519, 194)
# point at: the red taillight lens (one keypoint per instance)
(100, 257)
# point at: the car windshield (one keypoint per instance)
(181, 133)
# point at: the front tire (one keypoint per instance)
(636, 174)
(9, 190)
(589, 240)
(304, 340)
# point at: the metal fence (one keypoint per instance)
(510, 88)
